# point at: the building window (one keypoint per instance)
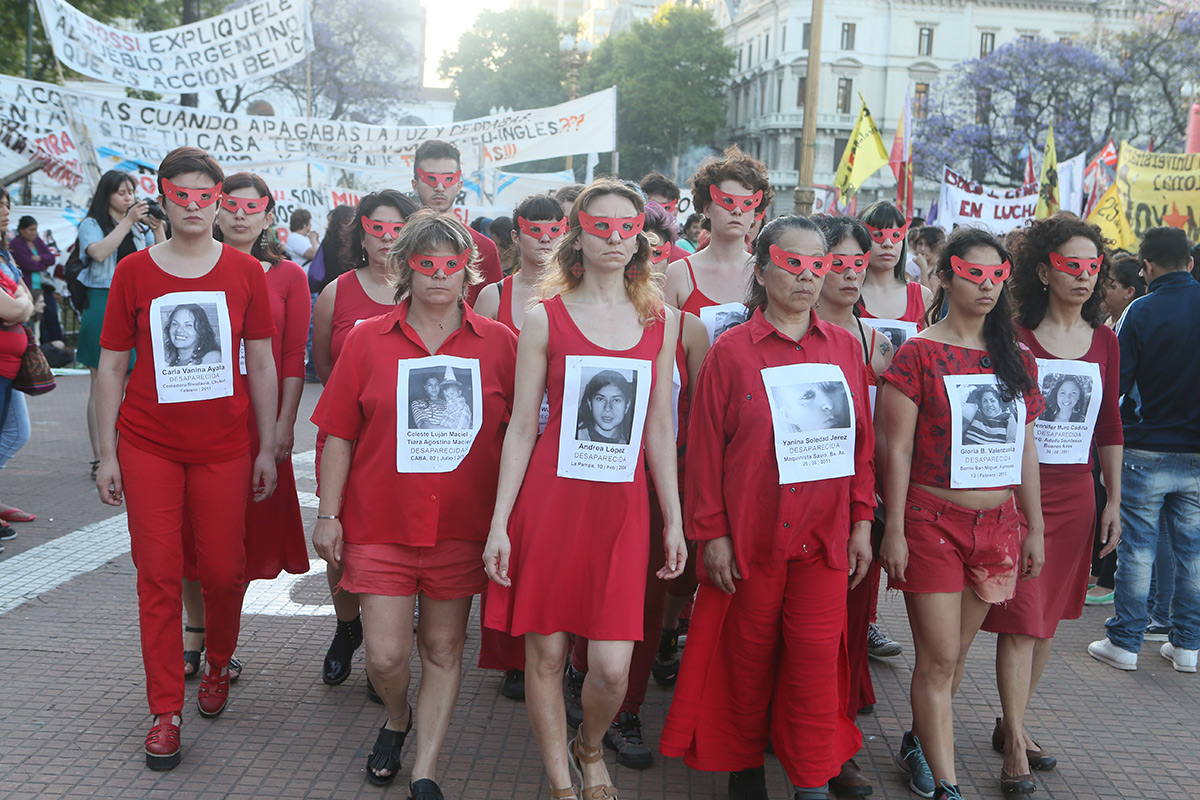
(1027, 37)
(799, 153)
(801, 91)
(920, 100)
(783, 39)
(779, 93)
(767, 46)
(983, 106)
(739, 69)
(845, 91)
(806, 37)
(839, 147)
(847, 35)
(925, 42)
(987, 43)
(1067, 40)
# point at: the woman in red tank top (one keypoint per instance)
(358, 294)
(569, 553)
(539, 221)
(886, 291)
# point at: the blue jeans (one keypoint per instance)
(1162, 579)
(1155, 485)
(14, 432)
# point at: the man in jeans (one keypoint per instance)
(1160, 475)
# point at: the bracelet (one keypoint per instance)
(327, 516)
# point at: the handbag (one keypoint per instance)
(76, 291)
(34, 377)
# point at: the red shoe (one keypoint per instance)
(17, 515)
(163, 751)
(214, 692)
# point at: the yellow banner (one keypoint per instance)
(863, 157)
(1047, 205)
(1109, 216)
(1159, 189)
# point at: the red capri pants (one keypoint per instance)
(160, 494)
(767, 664)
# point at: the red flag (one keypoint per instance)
(900, 159)
(1030, 174)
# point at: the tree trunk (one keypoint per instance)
(191, 13)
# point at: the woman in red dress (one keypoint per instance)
(952, 539)
(184, 450)
(275, 540)
(569, 554)
(778, 532)
(408, 495)
(363, 291)
(1060, 277)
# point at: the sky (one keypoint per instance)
(445, 21)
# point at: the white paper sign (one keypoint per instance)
(897, 331)
(544, 413)
(718, 319)
(439, 411)
(605, 400)
(1073, 391)
(987, 433)
(193, 346)
(812, 412)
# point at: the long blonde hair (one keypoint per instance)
(426, 230)
(644, 289)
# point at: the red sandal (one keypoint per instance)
(163, 750)
(214, 692)
(17, 515)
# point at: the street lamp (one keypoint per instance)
(575, 54)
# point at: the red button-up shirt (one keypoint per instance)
(379, 504)
(733, 484)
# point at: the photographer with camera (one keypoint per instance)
(117, 224)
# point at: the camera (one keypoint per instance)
(155, 210)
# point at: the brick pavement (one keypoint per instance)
(73, 712)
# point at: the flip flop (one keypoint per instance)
(17, 515)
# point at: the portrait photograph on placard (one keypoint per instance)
(606, 401)
(897, 331)
(1068, 397)
(193, 346)
(604, 406)
(190, 334)
(987, 433)
(812, 414)
(1073, 392)
(988, 418)
(441, 399)
(718, 319)
(439, 411)
(813, 406)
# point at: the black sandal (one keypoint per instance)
(425, 789)
(235, 669)
(386, 753)
(192, 657)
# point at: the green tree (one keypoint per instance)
(670, 73)
(507, 59)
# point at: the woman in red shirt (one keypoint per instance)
(275, 539)
(405, 506)
(362, 291)
(780, 494)
(570, 540)
(887, 293)
(952, 540)
(184, 451)
(1060, 278)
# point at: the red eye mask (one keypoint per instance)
(381, 229)
(439, 180)
(796, 263)
(248, 205)
(429, 265)
(998, 273)
(660, 253)
(894, 235)
(672, 207)
(857, 264)
(185, 197)
(1076, 266)
(543, 228)
(604, 226)
(746, 202)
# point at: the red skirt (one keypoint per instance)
(1069, 509)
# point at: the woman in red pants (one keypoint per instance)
(184, 450)
(780, 495)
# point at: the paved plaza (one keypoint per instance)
(73, 708)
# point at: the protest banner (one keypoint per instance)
(965, 202)
(1159, 189)
(1109, 216)
(1070, 183)
(251, 41)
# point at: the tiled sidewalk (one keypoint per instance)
(73, 712)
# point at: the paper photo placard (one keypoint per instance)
(605, 401)
(193, 346)
(439, 412)
(898, 331)
(718, 319)
(987, 433)
(1073, 391)
(812, 412)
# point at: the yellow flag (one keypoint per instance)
(1109, 216)
(863, 157)
(1048, 192)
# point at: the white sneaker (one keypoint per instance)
(1114, 656)
(1183, 660)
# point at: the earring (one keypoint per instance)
(576, 270)
(632, 271)
(262, 240)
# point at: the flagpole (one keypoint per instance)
(805, 193)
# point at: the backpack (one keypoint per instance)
(77, 292)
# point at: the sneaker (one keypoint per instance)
(625, 736)
(513, 686)
(947, 791)
(666, 664)
(1182, 660)
(573, 696)
(1106, 599)
(911, 761)
(879, 644)
(7, 532)
(1114, 656)
(1156, 632)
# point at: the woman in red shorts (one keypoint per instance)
(568, 551)
(362, 291)
(184, 450)
(780, 496)
(952, 540)
(275, 540)
(1060, 279)
(409, 480)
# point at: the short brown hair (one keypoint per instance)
(732, 165)
(424, 230)
(182, 160)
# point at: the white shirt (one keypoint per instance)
(297, 245)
